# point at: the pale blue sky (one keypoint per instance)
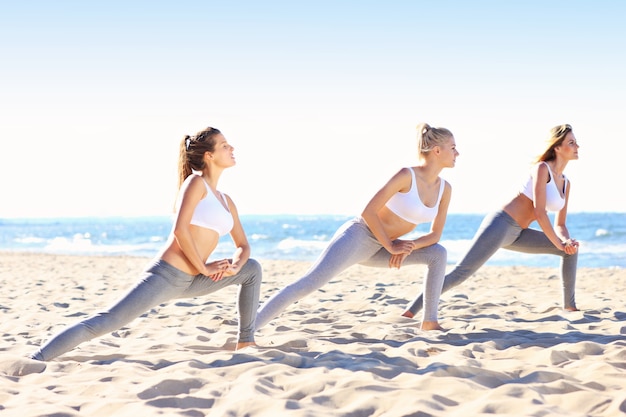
(320, 99)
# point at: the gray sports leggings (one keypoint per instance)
(354, 243)
(499, 230)
(160, 282)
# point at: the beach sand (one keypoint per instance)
(509, 348)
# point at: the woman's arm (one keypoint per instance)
(192, 191)
(436, 228)
(541, 176)
(571, 245)
(242, 247)
(400, 182)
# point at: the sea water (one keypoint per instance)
(602, 237)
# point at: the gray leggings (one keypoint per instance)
(160, 282)
(499, 230)
(353, 244)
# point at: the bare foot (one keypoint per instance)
(242, 345)
(571, 309)
(408, 314)
(431, 325)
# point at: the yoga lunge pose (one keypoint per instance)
(546, 189)
(182, 269)
(413, 195)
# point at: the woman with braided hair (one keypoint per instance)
(413, 195)
(182, 268)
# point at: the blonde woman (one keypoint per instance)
(413, 195)
(546, 189)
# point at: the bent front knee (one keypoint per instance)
(439, 253)
(254, 269)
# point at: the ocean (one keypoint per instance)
(293, 237)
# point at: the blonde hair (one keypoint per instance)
(556, 138)
(428, 137)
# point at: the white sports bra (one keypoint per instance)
(409, 207)
(554, 200)
(210, 213)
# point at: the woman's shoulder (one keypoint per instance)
(192, 178)
(400, 181)
(540, 167)
(446, 187)
(194, 182)
(403, 173)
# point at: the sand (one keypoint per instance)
(508, 349)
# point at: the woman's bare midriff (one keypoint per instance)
(521, 209)
(206, 242)
(394, 226)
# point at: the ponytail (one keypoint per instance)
(192, 150)
(184, 170)
(428, 137)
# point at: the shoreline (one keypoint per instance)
(9, 253)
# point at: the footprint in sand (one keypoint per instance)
(20, 366)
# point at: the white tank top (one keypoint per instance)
(211, 214)
(554, 200)
(409, 207)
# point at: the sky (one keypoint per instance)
(320, 100)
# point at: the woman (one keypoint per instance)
(546, 189)
(203, 214)
(413, 195)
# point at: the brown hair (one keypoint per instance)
(429, 137)
(556, 138)
(192, 149)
